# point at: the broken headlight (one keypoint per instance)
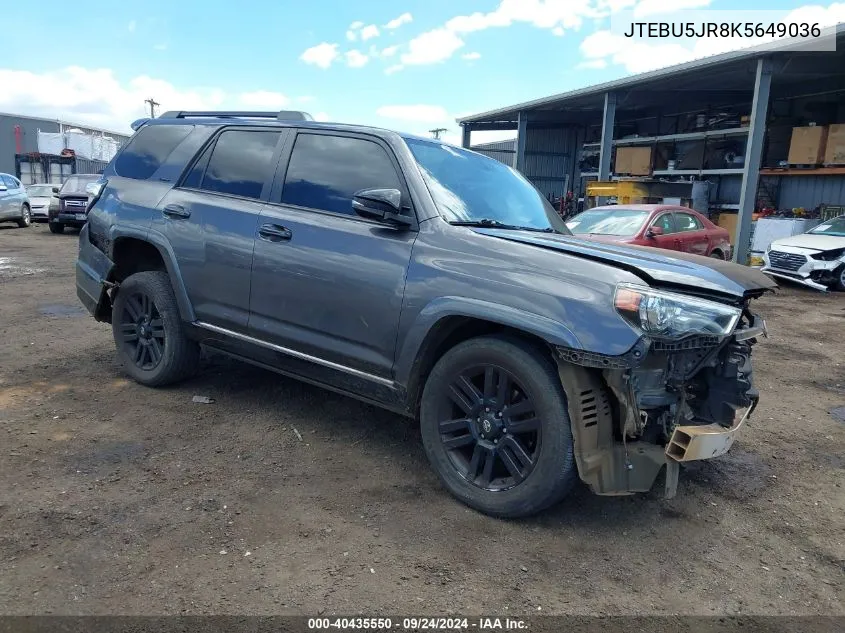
(667, 315)
(829, 256)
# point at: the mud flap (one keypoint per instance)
(606, 466)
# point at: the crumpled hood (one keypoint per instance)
(656, 266)
(814, 242)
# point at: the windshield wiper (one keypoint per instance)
(495, 224)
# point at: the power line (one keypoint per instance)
(152, 103)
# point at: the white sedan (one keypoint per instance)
(815, 258)
(42, 198)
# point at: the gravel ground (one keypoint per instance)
(282, 498)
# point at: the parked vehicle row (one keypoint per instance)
(59, 206)
(426, 279)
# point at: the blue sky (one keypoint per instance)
(409, 65)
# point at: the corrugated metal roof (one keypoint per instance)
(84, 126)
(662, 73)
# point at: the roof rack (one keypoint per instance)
(284, 115)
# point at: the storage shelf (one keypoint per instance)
(819, 171)
(698, 172)
(686, 136)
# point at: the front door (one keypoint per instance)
(326, 282)
(211, 218)
(669, 238)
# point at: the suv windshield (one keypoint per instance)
(835, 227)
(468, 188)
(77, 184)
(40, 191)
(614, 221)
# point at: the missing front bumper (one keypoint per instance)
(691, 443)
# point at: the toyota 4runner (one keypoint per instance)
(426, 279)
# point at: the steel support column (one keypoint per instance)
(753, 157)
(521, 133)
(465, 132)
(607, 135)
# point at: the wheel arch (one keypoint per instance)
(448, 321)
(141, 250)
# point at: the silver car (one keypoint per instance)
(14, 203)
(42, 199)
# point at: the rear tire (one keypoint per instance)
(56, 227)
(717, 255)
(26, 217)
(507, 449)
(149, 333)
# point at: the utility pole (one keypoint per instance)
(437, 132)
(153, 103)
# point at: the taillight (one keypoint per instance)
(94, 191)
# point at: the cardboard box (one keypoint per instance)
(633, 160)
(728, 221)
(807, 145)
(835, 152)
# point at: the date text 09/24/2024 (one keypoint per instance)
(418, 624)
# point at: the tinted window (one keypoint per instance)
(194, 177)
(687, 222)
(148, 149)
(241, 162)
(325, 171)
(665, 223)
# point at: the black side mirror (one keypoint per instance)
(55, 190)
(382, 205)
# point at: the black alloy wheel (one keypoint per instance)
(142, 331)
(489, 427)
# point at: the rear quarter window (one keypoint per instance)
(148, 149)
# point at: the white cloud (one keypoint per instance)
(132, 25)
(393, 69)
(321, 116)
(351, 36)
(559, 31)
(405, 18)
(418, 113)
(321, 55)
(264, 99)
(595, 64)
(305, 99)
(96, 97)
(432, 47)
(390, 51)
(356, 59)
(356, 25)
(368, 32)
(658, 7)
(471, 56)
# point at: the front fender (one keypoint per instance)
(552, 331)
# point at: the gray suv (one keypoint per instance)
(426, 279)
(14, 203)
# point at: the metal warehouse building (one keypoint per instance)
(763, 126)
(19, 143)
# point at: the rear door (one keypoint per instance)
(692, 234)
(326, 282)
(211, 219)
(11, 199)
(5, 199)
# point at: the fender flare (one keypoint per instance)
(551, 331)
(162, 245)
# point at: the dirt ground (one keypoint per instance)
(282, 498)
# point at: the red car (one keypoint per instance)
(662, 226)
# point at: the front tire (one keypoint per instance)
(149, 333)
(839, 284)
(495, 427)
(26, 217)
(56, 227)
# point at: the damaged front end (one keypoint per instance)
(682, 393)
